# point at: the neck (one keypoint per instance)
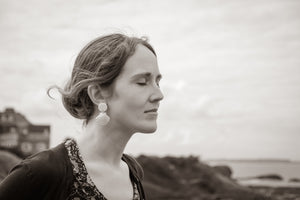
(103, 144)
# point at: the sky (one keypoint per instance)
(231, 70)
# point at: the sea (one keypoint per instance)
(245, 171)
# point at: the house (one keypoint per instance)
(20, 136)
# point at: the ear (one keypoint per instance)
(96, 93)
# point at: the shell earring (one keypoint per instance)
(102, 118)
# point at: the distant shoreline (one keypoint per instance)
(280, 193)
(262, 172)
(268, 183)
(253, 160)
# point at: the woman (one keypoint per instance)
(114, 88)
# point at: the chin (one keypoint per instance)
(148, 129)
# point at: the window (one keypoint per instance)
(25, 131)
(13, 130)
(3, 118)
(46, 132)
(26, 147)
(11, 118)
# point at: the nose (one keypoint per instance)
(157, 95)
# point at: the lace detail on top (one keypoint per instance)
(83, 187)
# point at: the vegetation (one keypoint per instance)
(186, 178)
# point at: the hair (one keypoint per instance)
(99, 62)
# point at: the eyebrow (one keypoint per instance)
(147, 74)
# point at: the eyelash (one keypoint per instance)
(143, 84)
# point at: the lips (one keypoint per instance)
(152, 110)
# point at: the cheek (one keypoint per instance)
(133, 97)
(128, 105)
(128, 100)
(135, 104)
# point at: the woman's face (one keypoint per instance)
(135, 98)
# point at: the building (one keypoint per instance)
(20, 136)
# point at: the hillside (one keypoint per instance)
(186, 178)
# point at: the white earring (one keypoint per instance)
(102, 118)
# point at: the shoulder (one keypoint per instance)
(47, 165)
(134, 165)
(38, 176)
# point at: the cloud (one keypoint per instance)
(231, 70)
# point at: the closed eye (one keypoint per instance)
(142, 81)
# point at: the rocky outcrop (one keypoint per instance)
(187, 178)
(224, 170)
(270, 177)
(294, 180)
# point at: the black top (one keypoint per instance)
(59, 173)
